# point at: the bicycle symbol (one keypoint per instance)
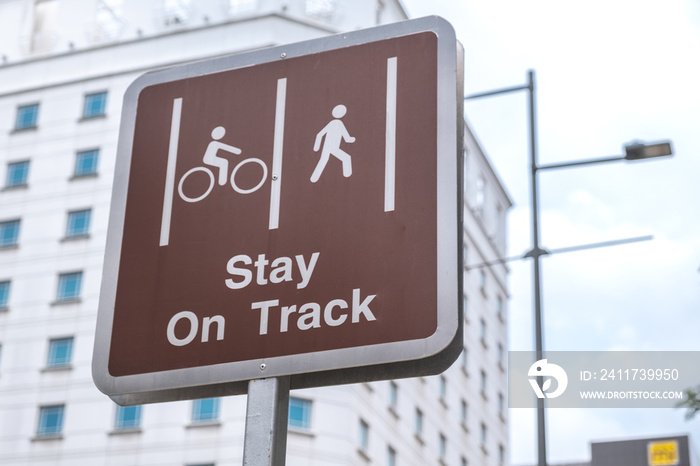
(211, 158)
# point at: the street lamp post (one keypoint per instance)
(634, 151)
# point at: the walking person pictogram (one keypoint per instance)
(332, 135)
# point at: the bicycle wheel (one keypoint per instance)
(206, 193)
(257, 186)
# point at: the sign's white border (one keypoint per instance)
(174, 384)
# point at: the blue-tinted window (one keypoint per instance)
(86, 162)
(50, 420)
(17, 174)
(442, 445)
(69, 286)
(390, 457)
(205, 410)
(78, 223)
(363, 436)
(60, 352)
(4, 294)
(299, 413)
(418, 424)
(95, 104)
(127, 417)
(9, 233)
(27, 116)
(393, 394)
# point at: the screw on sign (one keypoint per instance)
(276, 212)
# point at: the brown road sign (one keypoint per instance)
(286, 212)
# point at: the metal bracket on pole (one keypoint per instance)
(265, 441)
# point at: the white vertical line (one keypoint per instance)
(170, 173)
(278, 144)
(390, 154)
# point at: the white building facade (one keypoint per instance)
(64, 67)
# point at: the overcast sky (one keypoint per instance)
(608, 72)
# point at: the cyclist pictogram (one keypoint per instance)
(212, 158)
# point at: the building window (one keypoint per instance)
(480, 197)
(483, 435)
(60, 352)
(463, 461)
(501, 406)
(390, 456)
(501, 454)
(418, 425)
(78, 223)
(127, 418)
(442, 446)
(9, 233)
(393, 395)
(465, 256)
(500, 227)
(69, 286)
(4, 294)
(463, 412)
(27, 116)
(465, 170)
(465, 307)
(17, 174)
(442, 388)
(205, 410)
(50, 421)
(86, 163)
(363, 436)
(499, 306)
(299, 413)
(500, 354)
(95, 104)
(482, 331)
(463, 359)
(482, 280)
(482, 382)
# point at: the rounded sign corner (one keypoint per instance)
(102, 379)
(440, 26)
(133, 91)
(444, 338)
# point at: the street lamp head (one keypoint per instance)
(638, 151)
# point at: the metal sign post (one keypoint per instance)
(266, 422)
